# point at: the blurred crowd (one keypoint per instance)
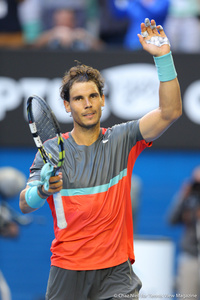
(185, 212)
(96, 24)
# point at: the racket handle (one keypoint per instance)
(61, 221)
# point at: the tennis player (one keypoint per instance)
(92, 257)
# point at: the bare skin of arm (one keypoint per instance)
(154, 123)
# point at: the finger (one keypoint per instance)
(52, 191)
(142, 41)
(144, 32)
(154, 27)
(148, 26)
(53, 188)
(141, 38)
(54, 179)
(147, 22)
(143, 27)
(55, 185)
(162, 33)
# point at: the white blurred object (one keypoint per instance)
(182, 16)
(4, 288)
(12, 181)
(154, 266)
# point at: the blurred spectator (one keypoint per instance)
(92, 16)
(11, 34)
(38, 16)
(182, 25)
(30, 18)
(186, 212)
(112, 30)
(48, 8)
(66, 35)
(11, 182)
(137, 11)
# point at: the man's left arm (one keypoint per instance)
(154, 123)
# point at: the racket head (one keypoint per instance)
(46, 131)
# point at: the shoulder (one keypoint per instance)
(127, 132)
(127, 128)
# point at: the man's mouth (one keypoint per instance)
(89, 114)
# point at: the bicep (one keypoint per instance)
(152, 125)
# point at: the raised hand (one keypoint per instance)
(153, 38)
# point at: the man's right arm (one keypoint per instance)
(55, 186)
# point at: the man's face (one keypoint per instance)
(85, 104)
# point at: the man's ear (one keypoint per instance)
(67, 106)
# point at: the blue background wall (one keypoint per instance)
(25, 261)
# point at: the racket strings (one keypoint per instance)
(46, 130)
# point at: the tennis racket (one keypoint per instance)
(48, 139)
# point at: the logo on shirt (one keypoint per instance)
(105, 141)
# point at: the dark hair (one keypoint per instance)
(80, 73)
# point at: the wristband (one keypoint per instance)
(165, 67)
(33, 199)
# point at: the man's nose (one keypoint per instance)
(87, 102)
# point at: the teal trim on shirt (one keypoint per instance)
(95, 189)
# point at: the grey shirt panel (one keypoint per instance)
(97, 164)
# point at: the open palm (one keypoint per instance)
(153, 38)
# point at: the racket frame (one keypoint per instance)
(38, 142)
(61, 221)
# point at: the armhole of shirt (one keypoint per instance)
(139, 135)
